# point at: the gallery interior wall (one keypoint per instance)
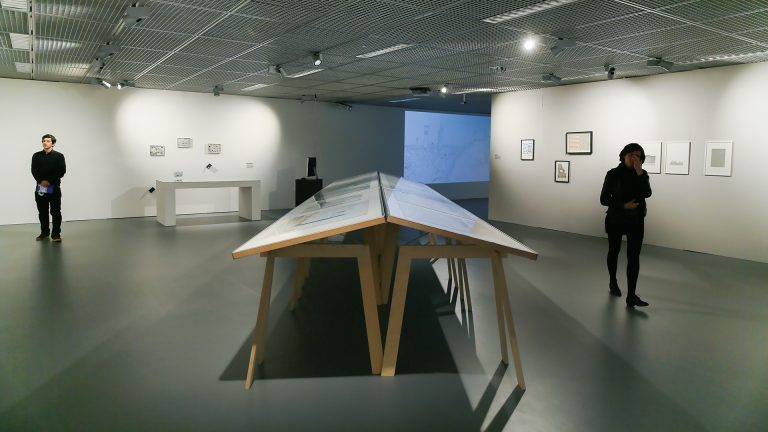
(719, 215)
(105, 136)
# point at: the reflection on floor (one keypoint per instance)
(128, 325)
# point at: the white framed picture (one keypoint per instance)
(719, 158)
(184, 142)
(578, 142)
(562, 171)
(213, 148)
(652, 162)
(677, 156)
(156, 150)
(526, 149)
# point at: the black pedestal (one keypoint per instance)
(305, 188)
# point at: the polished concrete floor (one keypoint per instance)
(128, 325)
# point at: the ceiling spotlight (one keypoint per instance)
(125, 83)
(657, 62)
(134, 14)
(561, 45)
(464, 99)
(105, 84)
(611, 71)
(444, 89)
(217, 89)
(108, 50)
(551, 78)
(498, 69)
(317, 58)
(529, 43)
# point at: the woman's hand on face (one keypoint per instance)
(637, 165)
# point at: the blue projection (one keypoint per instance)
(446, 148)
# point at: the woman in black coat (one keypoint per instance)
(624, 192)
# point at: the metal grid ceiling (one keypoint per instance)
(193, 45)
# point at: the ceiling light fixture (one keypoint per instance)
(25, 68)
(217, 89)
(475, 90)
(125, 83)
(404, 100)
(499, 69)
(610, 71)
(444, 88)
(529, 43)
(317, 58)
(657, 62)
(551, 78)
(561, 45)
(301, 74)
(256, 87)
(19, 5)
(383, 51)
(105, 84)
(528, 10)
(21, 41)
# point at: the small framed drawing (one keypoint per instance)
(156, 150)
(719, 158)
(562, 171)
(526, 149)
(213, 148)
(578, 143)
(677, 155)
(184, 142)
(652, 162)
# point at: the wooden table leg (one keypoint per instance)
(370, 236)
(259, 340)
(388, 260)
(298, 282)
(463, 264)
(502, 282)
(397, 308)
(367, 285)
(499, 311)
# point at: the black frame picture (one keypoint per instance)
(581, 152)
(567, 171)
(533, 149)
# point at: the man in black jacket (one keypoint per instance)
(624, 192)
(48, 167)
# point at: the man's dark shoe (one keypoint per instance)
(635, 301)
(56, 238)
(614, 289)
(41, 237)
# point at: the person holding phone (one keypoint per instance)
(624, 192)
(48, 167)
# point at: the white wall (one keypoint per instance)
(720, 215)
(105, 136)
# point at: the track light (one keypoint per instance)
(657, 62)
(561, 45)
(464, 99)
(317, 58)
(217, 89)
(551, 78)
(125, 83)
(105, 84)
(444, 88)
(529, 43)
(611, 71)
(277, 69)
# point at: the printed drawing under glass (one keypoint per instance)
(213, 148)
(652, 162)
(156, 150)
(578, 142)
(526, 149)
(719, 158)
(677, 157)
(562, 171)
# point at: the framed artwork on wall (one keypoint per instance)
(677, 155)
(652, 162)
(578, 143)
(719, 158)
(156, 150)
(526, 149)
(562, 171)
(184, 142)
(213, 148)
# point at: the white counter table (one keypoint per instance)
(249, 201)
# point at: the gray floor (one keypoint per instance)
(128, 325)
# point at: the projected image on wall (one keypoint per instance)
(446, 148)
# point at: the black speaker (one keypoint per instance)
(311, 166)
